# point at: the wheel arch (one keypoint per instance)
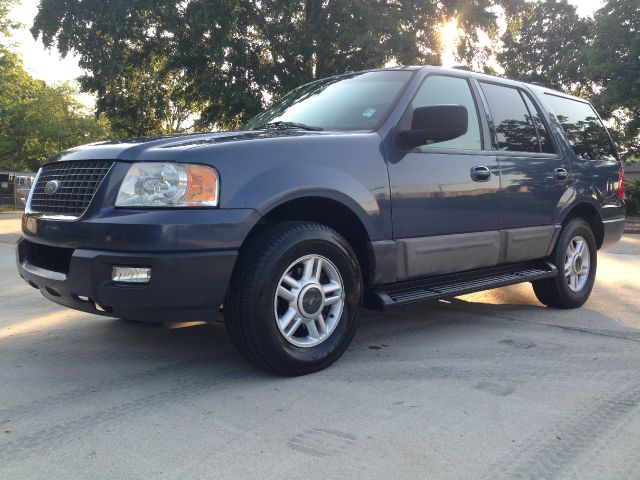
(588, 212)
(327, 211)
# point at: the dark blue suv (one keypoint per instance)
(378, 188)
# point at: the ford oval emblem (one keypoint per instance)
(51, 187)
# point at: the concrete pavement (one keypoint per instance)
(485, 386)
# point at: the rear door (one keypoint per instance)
(596, 167)
(534, 176)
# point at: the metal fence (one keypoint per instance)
(14, 189)
(13, 201)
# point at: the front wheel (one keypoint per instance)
(294, 298)
(575, 255)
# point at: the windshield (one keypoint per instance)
(358, 101)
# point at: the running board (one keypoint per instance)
(447, 286)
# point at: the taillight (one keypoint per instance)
(621, 183)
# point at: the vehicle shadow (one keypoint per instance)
(208, 343)
(106, 342)
(518, 303)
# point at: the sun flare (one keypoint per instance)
(449, 36)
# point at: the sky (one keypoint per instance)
(586, 7)
(41, 63)
(47, 65)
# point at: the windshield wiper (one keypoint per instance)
(280, 125)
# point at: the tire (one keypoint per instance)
(258, 314)
(564, 291)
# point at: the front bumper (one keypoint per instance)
(191, 254)
(186, 286)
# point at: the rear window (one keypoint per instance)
(584, 130)
(514, 126)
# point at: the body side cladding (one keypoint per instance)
(613, 231)
(411, 258)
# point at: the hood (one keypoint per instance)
(169, 147)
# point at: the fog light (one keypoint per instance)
(131, 274)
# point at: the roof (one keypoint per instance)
(483, 76)
(462, 70)
(632, 167)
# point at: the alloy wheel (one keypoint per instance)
(309, 301)
(577, 263)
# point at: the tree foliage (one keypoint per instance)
(613, 65)
(5, 23)
(37, 119)
(543, 42)
(162, 66)
(597, 58)
(125, 47)
(223, 59)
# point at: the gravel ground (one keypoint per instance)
(484, 386)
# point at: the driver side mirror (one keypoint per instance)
(437, 123)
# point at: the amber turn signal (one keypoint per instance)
(202, 186)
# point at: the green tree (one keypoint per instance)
(218, 62)
(613, 65)
(126, 49)
(37, 119)
(542, 44)
(5, 23)
(597, 58)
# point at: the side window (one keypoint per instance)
(584, 130)
(514, 126)
(441, 90)
(545, 140)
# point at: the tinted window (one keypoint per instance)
(514, 127)
(584, 130)
(359, 101)
(545, 141)
(439, 90)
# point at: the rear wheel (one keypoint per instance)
(575, 256)
(294, 298)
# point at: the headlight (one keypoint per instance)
(151, 184)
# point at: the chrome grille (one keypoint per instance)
(77, 182)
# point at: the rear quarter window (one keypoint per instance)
(584, 130)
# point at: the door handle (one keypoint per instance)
(480, 174)
(560, 173)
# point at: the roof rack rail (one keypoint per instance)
(462, 67)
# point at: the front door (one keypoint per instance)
(444, 195)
